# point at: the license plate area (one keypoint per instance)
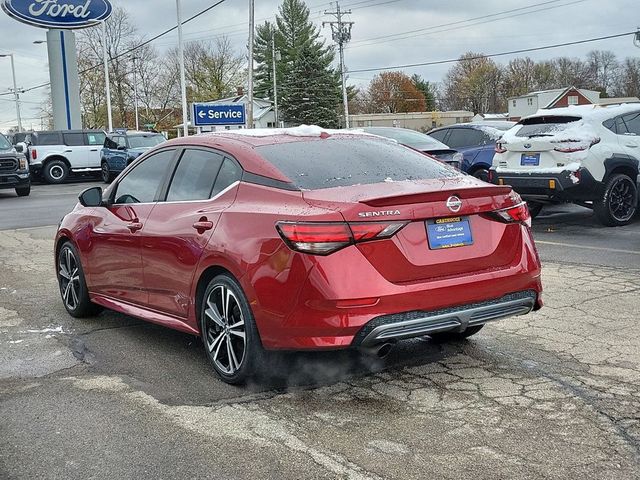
(530, 159)
(449, 233)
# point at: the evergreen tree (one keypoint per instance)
(427, 90)
(308, 86)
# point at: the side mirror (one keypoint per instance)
(20, 147)
(91, 197)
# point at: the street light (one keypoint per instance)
(636, 38)
(135, 93)
(275, 57)
(15, 89)
(107, 80)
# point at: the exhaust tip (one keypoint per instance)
(380, 351)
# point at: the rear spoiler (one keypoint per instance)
(441, 196)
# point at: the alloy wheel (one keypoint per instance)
(225, 332)
(622, 199)
(69, 272)
(56, 172)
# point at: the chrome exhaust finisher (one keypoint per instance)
(388, 328)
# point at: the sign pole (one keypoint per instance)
(107, 81)
(251, 41)
(183, 80)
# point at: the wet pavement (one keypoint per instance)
(555, 394)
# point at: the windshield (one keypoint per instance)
(341, 162)
(409, 137)
(544, 126)
(4, 143)
(146, 141)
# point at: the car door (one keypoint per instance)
(75, 150)
(630, 132)
(94, 142)
(115, 254)
(179, 228)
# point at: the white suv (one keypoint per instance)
(587, 155)
(55, 154)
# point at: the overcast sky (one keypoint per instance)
(544, 23)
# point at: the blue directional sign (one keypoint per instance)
(207, 114)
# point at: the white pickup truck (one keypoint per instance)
(53, 155)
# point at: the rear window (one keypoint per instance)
(340, 162)
(544, 126)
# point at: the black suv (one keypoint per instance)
(14, 169)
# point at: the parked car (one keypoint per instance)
(246, 238)
(419, 141)
(123, 147)
(14, 169)
(476, 141)
(54, 155)
(583, 154)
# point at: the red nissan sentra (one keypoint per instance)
(298, 239)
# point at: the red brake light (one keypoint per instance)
(500, 147)
(570, 146)
(34, 154)
(518, 213)
(323, 238)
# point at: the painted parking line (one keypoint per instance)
(587, 247)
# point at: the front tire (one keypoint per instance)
(229, 332)
(23, 191)
(73, 286)
(455, 336)
(619, 201)
(105, 173)
(55, 171)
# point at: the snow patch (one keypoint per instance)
(571, 167)
(47, 330)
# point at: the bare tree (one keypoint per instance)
(603, 69)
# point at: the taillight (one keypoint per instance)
(500, 147)
(570, 146)
(34, 154)
(517, 214)
(323, 238)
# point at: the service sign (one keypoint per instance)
(206, 114)
(68, 14)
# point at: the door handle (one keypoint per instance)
(203, 225)
(632, 145)
(94, 150)
(135, 226)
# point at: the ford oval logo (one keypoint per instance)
(58, 13)
(454, 204)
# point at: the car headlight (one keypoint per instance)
(23, 164)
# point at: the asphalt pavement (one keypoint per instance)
(555, 394)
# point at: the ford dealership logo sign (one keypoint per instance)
(58, 13)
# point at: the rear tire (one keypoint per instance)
(229, 331)
(55, 172)
(481, 174)
(73, 286)
(535, 208)
(619, 201)
(455, 336)
(23, 191)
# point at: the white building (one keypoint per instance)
(525, 105)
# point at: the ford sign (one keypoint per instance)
(58, 13)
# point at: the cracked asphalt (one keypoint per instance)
(555, 394)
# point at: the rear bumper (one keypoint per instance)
(562, 186)
(413, 324)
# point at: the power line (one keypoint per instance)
(491, 55)
(423, 31)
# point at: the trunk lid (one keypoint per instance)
(408, 256)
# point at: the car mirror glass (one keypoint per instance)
(91, 197)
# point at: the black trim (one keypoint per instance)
(620, 160)
(256, 179)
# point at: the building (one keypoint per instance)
(530, 103)
(423, 121)
(263, 114)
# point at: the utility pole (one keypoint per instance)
(251, 42)
(135, 93)
(275, 56)
(341, 33)
(107, 82)
(183, 79)
(16, 95)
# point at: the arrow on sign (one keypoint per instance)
(201, 114)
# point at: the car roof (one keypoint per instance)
(593, 113)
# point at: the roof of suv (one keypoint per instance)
(592, 113)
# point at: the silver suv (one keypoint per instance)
(55, 154)
(587, 155)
